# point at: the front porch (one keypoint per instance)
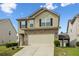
(23, 40)
(64, 40)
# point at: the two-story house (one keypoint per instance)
(40, 28)
(73, 30)
(7, 31)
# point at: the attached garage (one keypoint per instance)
(40, 38)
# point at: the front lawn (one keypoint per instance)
(8, 51)
(66, 51)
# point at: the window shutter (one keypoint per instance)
(20, 24)
(26, 24)
(51, 21)
(40, 22)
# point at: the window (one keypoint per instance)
(9, 33)
(31, 23)
(23, 24)
(43, 22)
(46, 22)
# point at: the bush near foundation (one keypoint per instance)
(77, 44)
(57, 43)
(11, 45)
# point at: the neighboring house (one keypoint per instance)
(7, 31)
(40, 28)
(73, 30)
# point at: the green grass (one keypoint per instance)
(7, 51)
(66, 51)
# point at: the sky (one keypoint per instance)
(13, 11)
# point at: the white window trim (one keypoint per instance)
(23, 23)
(31, 22)
(45, 21)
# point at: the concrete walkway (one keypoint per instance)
(45, 50)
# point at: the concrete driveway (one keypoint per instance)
(44, 50)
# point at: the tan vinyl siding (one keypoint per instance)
(47, 15)
(73, 31)
(5, 28)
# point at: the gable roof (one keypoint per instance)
(73, 20)
(43, 9)
(34, 13)
(69, 21)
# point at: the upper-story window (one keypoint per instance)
(23, 24)
(31, 23)
(43, 22)
(46, 22)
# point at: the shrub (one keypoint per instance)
(14, 44)
(11, 44)
(67, 45)
(77, 44)
(13, 48)
(57, 43)
(8, 45)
